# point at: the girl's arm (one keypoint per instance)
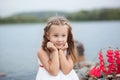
(66, 62)
(51, 65)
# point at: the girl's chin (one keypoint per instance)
(59, 47)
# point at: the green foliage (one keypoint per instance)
(101, 14)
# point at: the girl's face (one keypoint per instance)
(58, 35)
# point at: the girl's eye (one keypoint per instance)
(63, 35)
(55, 35)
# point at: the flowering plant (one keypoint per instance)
(109, 66)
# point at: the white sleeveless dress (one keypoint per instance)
(42, 74)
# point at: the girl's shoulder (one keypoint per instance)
(40, 49)
(42, 52)
(42, 56)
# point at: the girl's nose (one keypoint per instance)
(59, 39)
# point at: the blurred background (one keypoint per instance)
(95, 23)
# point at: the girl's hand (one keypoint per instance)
(65, 46)
(51, 47)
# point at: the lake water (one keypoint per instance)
(19, 44)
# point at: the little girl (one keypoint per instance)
(57, 55)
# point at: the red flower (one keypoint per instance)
(116, 52)
(109, 55)
(110, 60)
(110, 51)
(111, 66)
(118, 70)
(118, 62)
(117, 56)
(98, 72)
(91, 72)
